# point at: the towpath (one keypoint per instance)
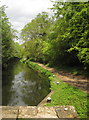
(78, 81)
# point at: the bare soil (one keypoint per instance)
(81, 82)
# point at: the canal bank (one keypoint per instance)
(23, 86)
(64, 93)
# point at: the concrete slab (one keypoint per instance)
(27, 112)
(66, 112)
(46, 112)
(9, 112)
(38, 112)
(0, 112)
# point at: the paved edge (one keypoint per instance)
(38, 112)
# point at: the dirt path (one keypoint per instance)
(78, 81)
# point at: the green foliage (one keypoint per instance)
(17, 50)
(69, 38)
(65, 94)
(79, 31)
(7, 35)
(51, 40)
(66, 35)
(34, 35)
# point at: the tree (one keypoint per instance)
(69, 38)
(35, 35)
(7, 37)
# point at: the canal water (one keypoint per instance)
(22, 86)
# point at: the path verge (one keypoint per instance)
(78, 81)
(64, 93)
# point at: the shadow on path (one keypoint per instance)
(78, 81)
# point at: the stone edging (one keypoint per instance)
(38, 112)
(44, 101)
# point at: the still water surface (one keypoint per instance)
(23, 86)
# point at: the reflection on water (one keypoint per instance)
(23, 86)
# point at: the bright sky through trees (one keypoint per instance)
(21, 12)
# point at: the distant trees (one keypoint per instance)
(63, 39)
(34, 35)
(7, 36)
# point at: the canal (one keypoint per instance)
(22, 86)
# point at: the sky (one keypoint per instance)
(20, 12)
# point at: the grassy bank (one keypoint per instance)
(65, 94)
